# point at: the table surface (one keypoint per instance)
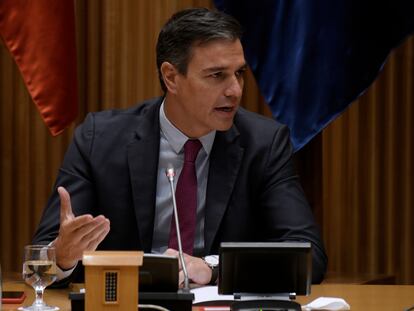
(359, 297)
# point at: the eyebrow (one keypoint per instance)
(221, 68)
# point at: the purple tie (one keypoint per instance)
(186, 197)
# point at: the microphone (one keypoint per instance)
(170, 173)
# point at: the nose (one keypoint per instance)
(235, 88)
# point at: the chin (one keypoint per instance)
(224, 127)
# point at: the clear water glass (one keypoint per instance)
(39, 271)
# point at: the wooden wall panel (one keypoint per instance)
(368, 177)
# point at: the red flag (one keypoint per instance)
(40, 35)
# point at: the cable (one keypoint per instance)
(154, 307)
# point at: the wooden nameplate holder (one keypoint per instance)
(111, 279)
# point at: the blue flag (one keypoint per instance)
(312, 58)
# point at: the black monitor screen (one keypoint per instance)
(159, 273)
(265, 268)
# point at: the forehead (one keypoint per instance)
(227, 54)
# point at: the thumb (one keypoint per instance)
(65, 205)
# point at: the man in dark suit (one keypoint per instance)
(246, 186)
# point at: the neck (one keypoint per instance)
(178, 118)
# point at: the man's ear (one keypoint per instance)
(169, 75)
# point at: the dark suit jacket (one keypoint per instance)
(253, 193)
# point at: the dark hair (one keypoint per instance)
(188, 28)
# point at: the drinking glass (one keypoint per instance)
(39, 271)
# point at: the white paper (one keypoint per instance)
(209, 293)
(327, 303)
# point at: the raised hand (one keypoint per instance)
(77, 234)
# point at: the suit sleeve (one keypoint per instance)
(287, 214)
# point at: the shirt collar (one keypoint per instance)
(177, 139)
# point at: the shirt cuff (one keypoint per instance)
(61, 273)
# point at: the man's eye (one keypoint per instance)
(240, 73)
(217, 75)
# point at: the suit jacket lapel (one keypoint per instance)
(143, 167)
(225, 160)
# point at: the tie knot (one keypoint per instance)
(191, 149)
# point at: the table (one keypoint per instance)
(366, 297)
(360, 297)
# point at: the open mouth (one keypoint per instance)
(225, 109)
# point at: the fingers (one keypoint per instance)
(93, 244)
(92, 240)
(84, 225)
(171, 252)
(174, 253)
(84, 229)
(79, 222)
(198, 271)
(181, 278)
(65, 205)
